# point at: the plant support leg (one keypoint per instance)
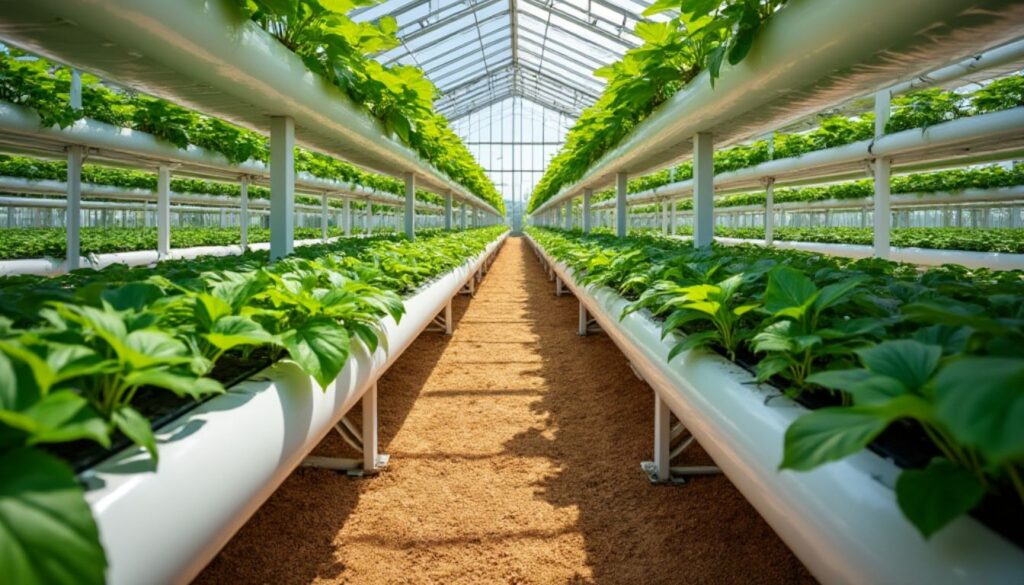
(372, 462)
(669, 442)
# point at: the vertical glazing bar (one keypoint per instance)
(282, 186)
(703, 190)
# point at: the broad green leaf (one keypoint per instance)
(180, 384)
(832, 433)
(910, 362)
(149, 347)
(933, 497)
(692, 341)
(837, 293)
(788, 289)
(209, 309)
(58, 417)
(981, 401)
(47, 533)
(135, 426)
(132, 296)
(660, 6)
(229, 332)
(320, 346)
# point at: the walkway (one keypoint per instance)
(515, 449)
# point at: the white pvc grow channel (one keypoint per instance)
(220, 461)
(841, 519)
(813, 54)
(208, 59)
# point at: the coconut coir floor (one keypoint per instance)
(515, 450)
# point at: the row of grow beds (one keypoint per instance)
(122, 338)
(876, 356)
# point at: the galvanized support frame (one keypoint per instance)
(371, 461)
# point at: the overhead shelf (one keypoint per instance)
(978, 139)
(811, 55)
(214, 61)
(21, 133)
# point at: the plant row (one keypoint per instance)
(34, 169)
(879, 350)
(52, 242)
(915, 110)
(84, 356)
(1002, 240)
(45, 87)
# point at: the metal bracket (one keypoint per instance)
(365, 441)
(587, 325)
(560, 288)
(669, 442)
(443, 321)
(469, 288)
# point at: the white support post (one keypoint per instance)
(73, 213)
(410, 206)
(163, 211)
(324, 216)
(558, 216)
(346, 216)
(369, 217)
(1015, 219)
(588, 214)
(448, 210)
(662, 438)
(881, 171)
(703, 190)
(282, 186)
(243, 213)
(370, 456)
(769, 211)
(672, 217)
(621, 210)
(462, 215)
(568, 214)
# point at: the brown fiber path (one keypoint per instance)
(515, 450)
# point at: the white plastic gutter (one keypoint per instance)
(54, 266)
(131, 205)
(21, 131)
(208, 57)
(220, 461)
(919, 256)
(982, 138)
(811, 55)
(903, 200)
(50, 187)
(840, 519)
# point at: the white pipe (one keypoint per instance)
(841, 519)
(811, 55)
(254, 435)
(207, 58)
(918, 256)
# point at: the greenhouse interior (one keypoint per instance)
(511, 291)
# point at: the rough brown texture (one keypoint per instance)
(515, 448)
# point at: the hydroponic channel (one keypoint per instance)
(514, 450)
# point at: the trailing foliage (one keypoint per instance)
(872, 344)
(81, 354)
(399, 96)
(44, 87)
